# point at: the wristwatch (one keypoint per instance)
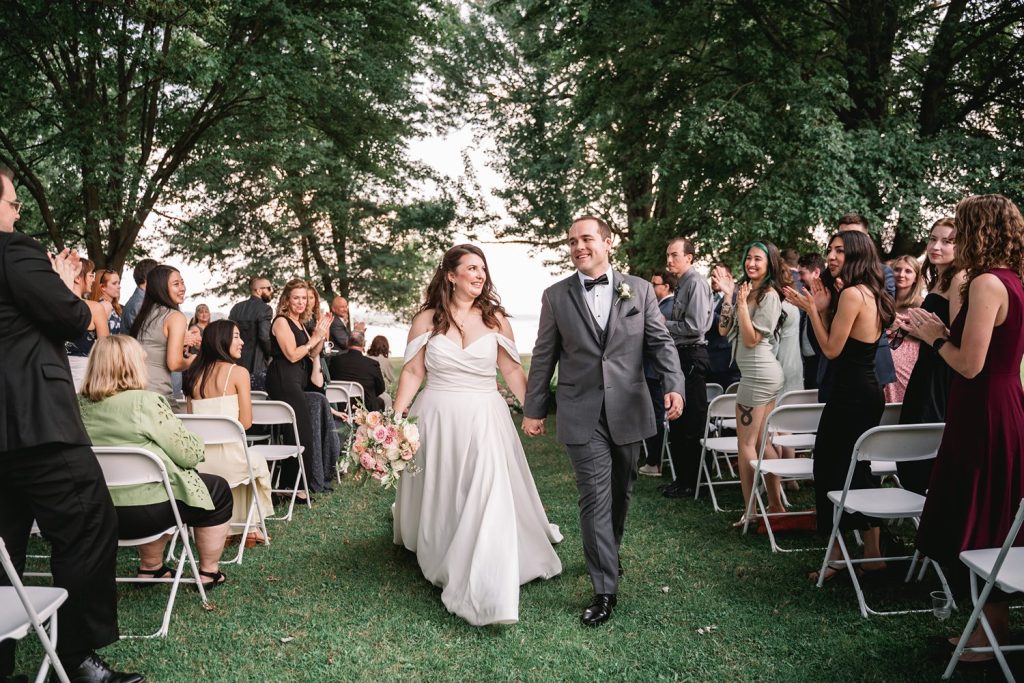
(939, 343)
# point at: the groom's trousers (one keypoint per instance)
(605, 473)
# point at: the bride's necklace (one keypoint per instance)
(460, 325)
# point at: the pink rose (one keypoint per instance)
(379, 433)
(374, 419)
(367, 461)
(393, 431)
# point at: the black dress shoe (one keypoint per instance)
(622, 572)
(95, 670)
(678, 492)
(600, 610)
(665, 487)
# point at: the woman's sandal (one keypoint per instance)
(836, 570)
(163, 572)
(216, 579)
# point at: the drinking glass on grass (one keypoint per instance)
(942, 605)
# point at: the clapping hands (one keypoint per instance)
(722, 279)
(67, 264)
(814, 297)
(923, 324)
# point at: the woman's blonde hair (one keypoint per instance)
(282, 303)
(117, 363)
(913, 296)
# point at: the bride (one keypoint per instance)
(472, 514)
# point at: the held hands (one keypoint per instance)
(674, 405)
(533, 426)
(67, 264)
(721, 277)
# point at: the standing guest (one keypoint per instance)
(847, 333)
(201, 318)
(786, 347)
(928, 388)
(107, 290)
(811, 267)
(160, 328)
(131, 308)
(340, 327)
(353, 366)
(310, 324)
(751, 323)
(721, 368)
(907, 276)
(380, 351)
(791, 258)
(79, 348)
(291, 350)
(216, 385)
(118, 411)
(48, 471)
(688, 325)
(664, 284)
(978, 478)
(253, 319)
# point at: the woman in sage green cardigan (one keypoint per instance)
(118, 411)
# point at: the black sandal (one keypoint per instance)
(216, 579)
(163, 572)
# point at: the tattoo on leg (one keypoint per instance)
(746, 414)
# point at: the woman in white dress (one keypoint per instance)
(472, 514)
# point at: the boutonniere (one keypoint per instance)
(624, 291)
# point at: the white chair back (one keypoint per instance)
(899, 443)
(723, 406)
(257, 395)
(215, 430)
(733, 388)
(128, 466)
(795, 419)
(714, 390)
(891, 414)
(798, 397)
(337, 394)
(272, 413)
(354, 389)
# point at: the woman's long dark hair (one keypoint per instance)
(215, 348)
(439, 291)
(157, 294)
(862, 266)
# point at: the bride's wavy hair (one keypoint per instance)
(440, 291)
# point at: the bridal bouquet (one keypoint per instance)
(383, 446)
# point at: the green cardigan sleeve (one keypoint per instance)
(164, 429)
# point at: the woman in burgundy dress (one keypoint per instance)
(978, 479)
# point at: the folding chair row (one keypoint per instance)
(277, 413)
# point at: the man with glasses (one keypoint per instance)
(253, 317)
(48, 472)
(664, 284)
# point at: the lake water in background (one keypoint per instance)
(524, 327)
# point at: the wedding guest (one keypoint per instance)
(928, 388)
(791, 259)
(664, 284)
(79, 348)
(978, 478)
(107, 290)
(721, 368)
(353, 366)
(751, 320)
(292, 349)
(201, 318)
(253, 319)
(48, 471)
(216, 385)
(325, 448)
(380, 351)
(847, 326)
(160, 328)
(810, 268)
(340, 327)
(134, 303)
(314, 318)
(907, 277)
(688, 325)
(118, 411)
(786, 347)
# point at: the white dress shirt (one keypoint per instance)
(599, 298)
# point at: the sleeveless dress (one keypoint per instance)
(154, 343)
(926, 396)
(228, 460)
(978, 478)
(854, 406)
(287, 381)
(761, 377)
(78, 351)
(472, 514)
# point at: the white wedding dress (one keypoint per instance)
(472, 514)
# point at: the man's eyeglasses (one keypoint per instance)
(16, 204)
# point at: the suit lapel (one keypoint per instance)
(576, 295)
(617, 302)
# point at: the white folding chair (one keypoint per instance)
(797, 397)
(217, 430)
(130, 466)
(722, 407)
(887, 468)
(900, 443)
(353, 389)
(338, 392)
(997, 567)
(800, 424)
(280, 413)
(733, 388)
(24, 608)
(714, 390)
(257, 395)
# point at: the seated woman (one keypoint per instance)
(215, 385)
(118, 411)
(78, 349)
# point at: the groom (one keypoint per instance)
(597, 326)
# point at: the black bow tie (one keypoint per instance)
(590, 284)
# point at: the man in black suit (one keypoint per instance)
(48, 471)
(253, 317)
(353, 366)
(339, 329)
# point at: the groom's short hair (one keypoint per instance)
(602, 226)
(687, 243)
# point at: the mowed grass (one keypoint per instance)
(332, 599)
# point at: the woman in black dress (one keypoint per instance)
(928, 387)
(291, 350)
(847, 328)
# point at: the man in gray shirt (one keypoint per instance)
(688, 325)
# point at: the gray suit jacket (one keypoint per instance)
(131, 309)
(590, 373)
